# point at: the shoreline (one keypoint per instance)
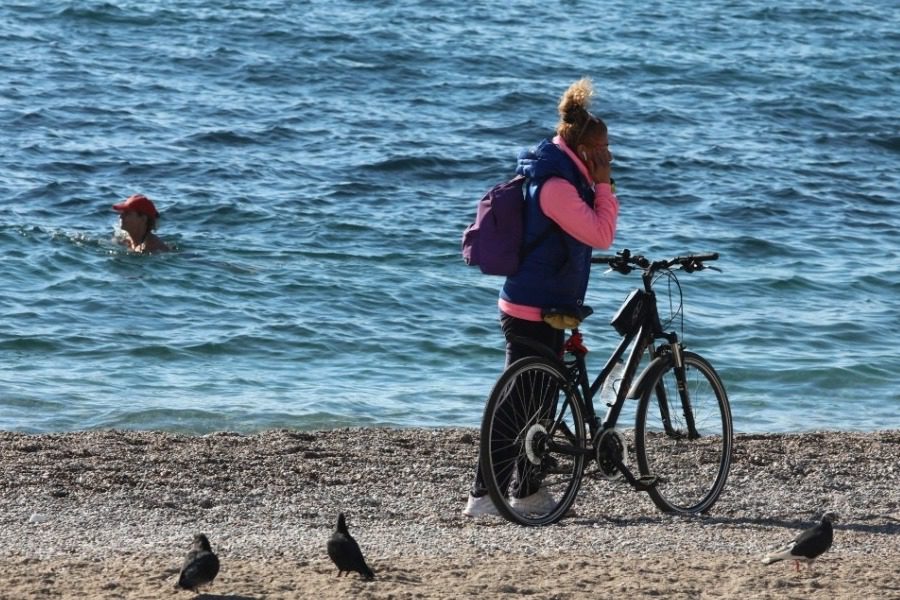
(110, 514)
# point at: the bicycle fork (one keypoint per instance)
(677, 352)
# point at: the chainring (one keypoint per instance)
(610, 445)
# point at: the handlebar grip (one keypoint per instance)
(602, 259)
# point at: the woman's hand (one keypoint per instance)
(599, 163)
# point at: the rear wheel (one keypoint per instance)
(533, 443)
(684, 438)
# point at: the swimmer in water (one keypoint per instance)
(137, 218)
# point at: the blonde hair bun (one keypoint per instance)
(575, 102)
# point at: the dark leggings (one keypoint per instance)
(534, 330)
(514, 328)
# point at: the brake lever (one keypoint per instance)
(698, 266)
(618, 266)
(690, 266)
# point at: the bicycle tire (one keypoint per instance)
(690, 471)
(531, 406)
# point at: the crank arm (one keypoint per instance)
(642, 483)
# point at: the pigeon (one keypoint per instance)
(345, 553)
(807, 546)
(200, 566)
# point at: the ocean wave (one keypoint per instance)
(891, 143)
(316, 164)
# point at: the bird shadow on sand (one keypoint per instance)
(888, 527)
(699, 519)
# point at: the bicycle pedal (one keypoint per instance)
(645, 482)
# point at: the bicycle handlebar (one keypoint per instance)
(624, 261)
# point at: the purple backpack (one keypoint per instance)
(494, 242)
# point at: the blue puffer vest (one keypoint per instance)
(555, 273)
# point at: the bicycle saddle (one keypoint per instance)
(566, 318)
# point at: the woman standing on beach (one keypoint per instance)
(137, 218)
(570, 193)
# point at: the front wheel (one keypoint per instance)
(533, 443)
(683, 434)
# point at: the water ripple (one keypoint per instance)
(315, 164)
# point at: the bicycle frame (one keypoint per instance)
(644, 330)
(641, 338)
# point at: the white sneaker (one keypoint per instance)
(480, 507)
(539, 503)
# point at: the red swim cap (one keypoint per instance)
(138, 203)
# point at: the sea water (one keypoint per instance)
(316, 162)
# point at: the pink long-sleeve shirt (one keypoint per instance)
(559, 200)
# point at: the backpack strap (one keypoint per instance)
(530, 246)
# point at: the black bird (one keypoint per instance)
(200, 566)
(807, 546)
(345, 553)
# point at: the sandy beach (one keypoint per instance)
(110, 514)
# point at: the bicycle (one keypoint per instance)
(540, 426)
